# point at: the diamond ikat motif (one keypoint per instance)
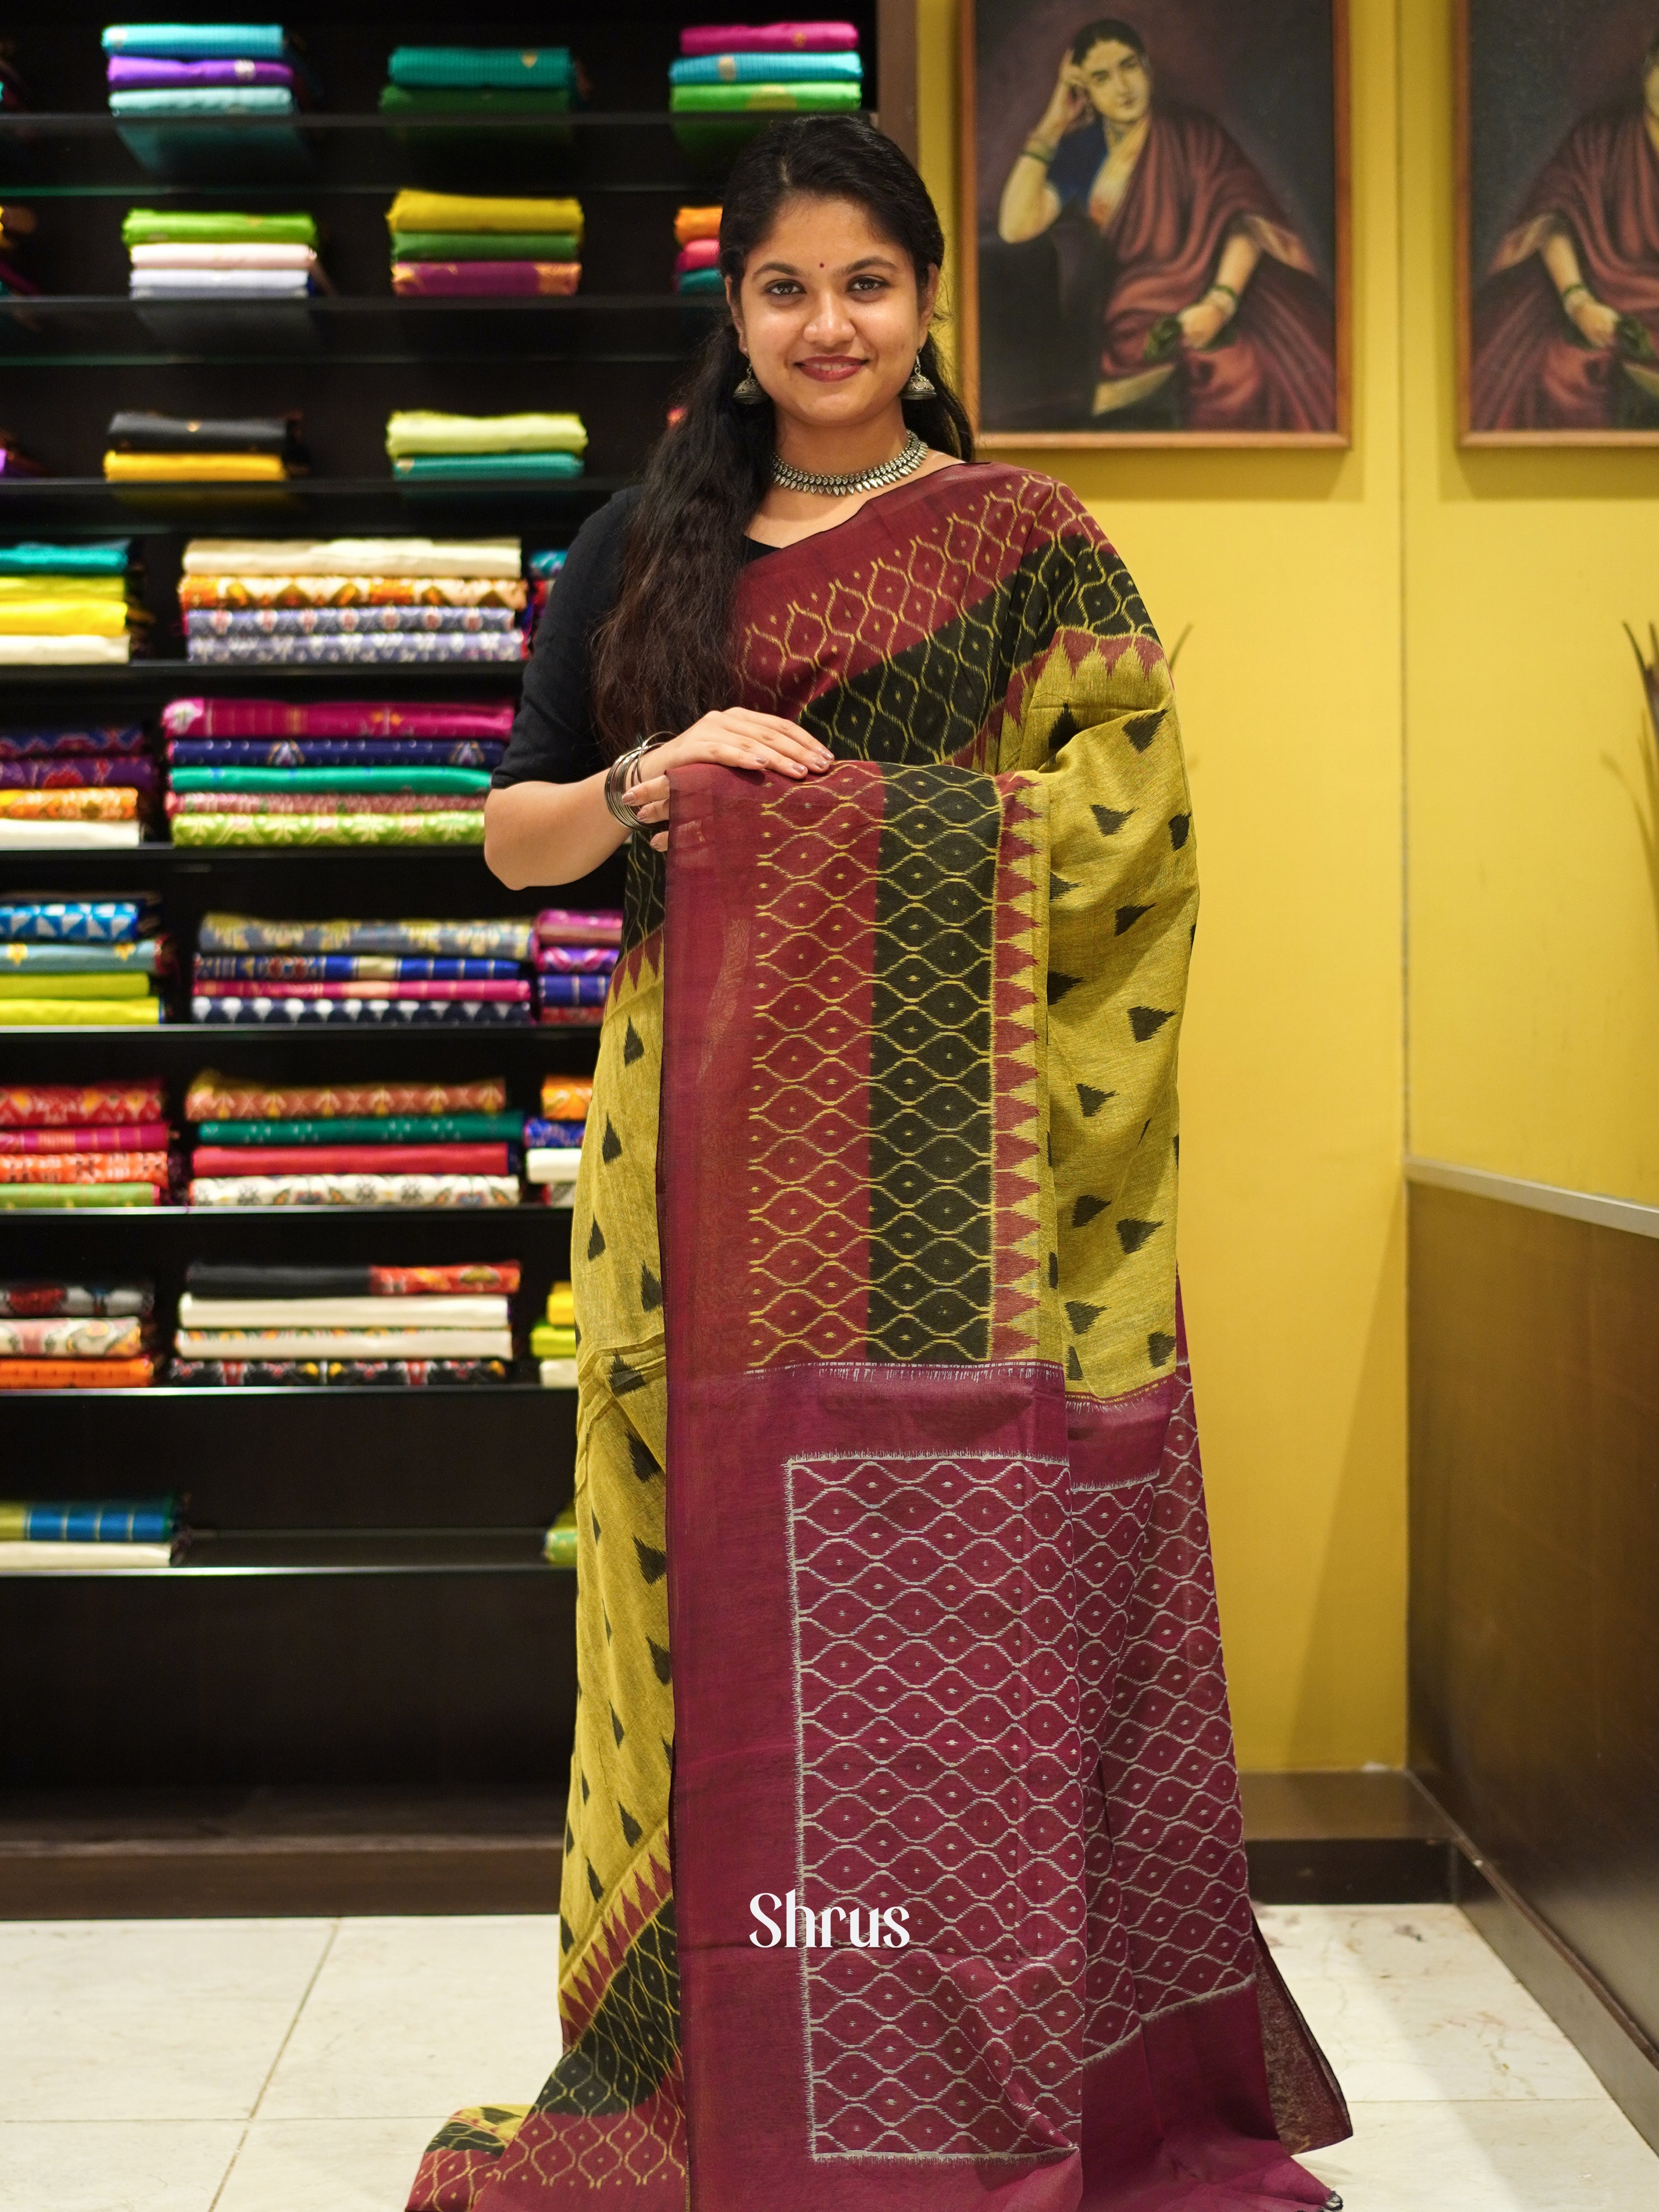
(938, 1757)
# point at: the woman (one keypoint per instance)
(903, 1859)
(1567, 322)
(1212, 306)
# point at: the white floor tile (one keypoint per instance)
(1412, 2005)
(148, 2020)
(326, 2165)
(114, 2166)
(424, 2015)
(1368, 1942)
(1496, 2157)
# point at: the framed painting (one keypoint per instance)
(1557, 215)
(1154, 222)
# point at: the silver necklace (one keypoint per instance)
(905, 463)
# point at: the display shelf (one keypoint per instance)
(379, 329)
(366, 1603)
(329, 505)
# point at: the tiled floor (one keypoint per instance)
(299, 2065)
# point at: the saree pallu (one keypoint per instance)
(893, 1572)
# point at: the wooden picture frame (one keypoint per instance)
(1573, 82)
(1289, 384)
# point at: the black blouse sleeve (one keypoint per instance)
(555, 739)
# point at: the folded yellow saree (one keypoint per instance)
(195, 468)
(413, 210)
(55, 615)
(422, 430)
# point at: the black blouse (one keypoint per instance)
(554, 738)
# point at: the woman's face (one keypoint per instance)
(829, 313)
(1118, 80)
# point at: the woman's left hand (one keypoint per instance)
(1202, 323)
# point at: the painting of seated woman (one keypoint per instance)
(1561, 224)
(1157, 206)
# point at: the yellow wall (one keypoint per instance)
(1287, 566)
(1533, 896)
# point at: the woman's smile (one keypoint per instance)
(830, 367)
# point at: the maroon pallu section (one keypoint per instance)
(944, 1646)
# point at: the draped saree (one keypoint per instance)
(895, 1594)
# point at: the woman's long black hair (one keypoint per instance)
(664, 656)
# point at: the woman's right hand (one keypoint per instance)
(1066, 104)
(735, 736)
(1597, 324)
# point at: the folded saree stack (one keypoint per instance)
(553, 1340)
(356, 601)
(72, 963)
(315, 1128)
(16, 223)
(144, 448)
(176, 69)
(553, 1139)
(73, 1335)
(366, 974)
(575, 953)
(400, 1326)
(84, 1145)
(347, 772)
(728, 73)
(48, 1537)
(428, 447)
(542, 570)
(67, 603)
(75, 787)
(180, 253)
(464, 80)
(455, 244)
(697, 234)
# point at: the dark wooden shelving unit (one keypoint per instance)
(363, 1633)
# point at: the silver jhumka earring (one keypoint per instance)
(920, 385)
(747, 391)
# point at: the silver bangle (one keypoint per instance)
(619, 776)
